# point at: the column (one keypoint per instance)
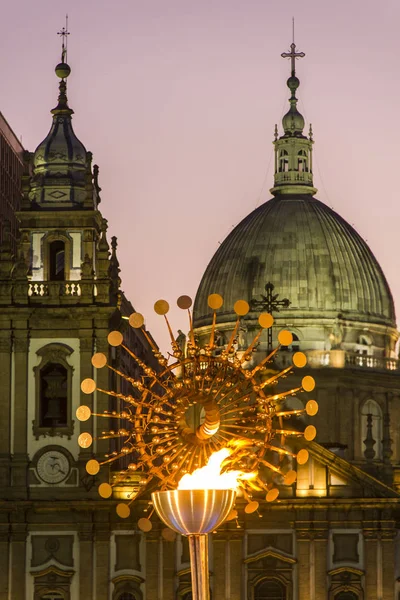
(167, 559)
(152, 566)
(86, 562)
(218, 566)
(5, 406)
(370, 562)
(321, 549)
(305, 570)
(102, 554)
(4, 556)
(20, 400)
(18, 560)
(236, 566)
(388, 562)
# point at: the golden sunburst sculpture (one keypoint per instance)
(240, 409)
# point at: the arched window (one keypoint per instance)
(53, 391)
(302, 161)
(346, 596)
(53, 405)
(57, 260)
(283, 162)
(372, 408)
(270, 589)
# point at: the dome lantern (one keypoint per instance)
(293, 150)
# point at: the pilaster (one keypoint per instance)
(20, 400)
(102, 553)
(18, 559)
(4, 561)
(86, 563)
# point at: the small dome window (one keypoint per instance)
(283, 161)
(302, 161)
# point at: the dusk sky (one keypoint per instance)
(177, 100)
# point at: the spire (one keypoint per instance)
(63, 70)
(293, 150)
(60, 163)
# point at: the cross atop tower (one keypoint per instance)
(64, 33)
(293, 55)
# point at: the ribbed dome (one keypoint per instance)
(61, 148)
(309, 253)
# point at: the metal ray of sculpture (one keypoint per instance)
(236, 406)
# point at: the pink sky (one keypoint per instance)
(178, 99)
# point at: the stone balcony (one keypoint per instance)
(53, 289)
(341, 359)
(84, 291)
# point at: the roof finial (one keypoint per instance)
(64, 33)
(293, 54)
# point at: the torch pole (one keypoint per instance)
(198, 546)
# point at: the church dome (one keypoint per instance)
(312, 257)
(303, 249)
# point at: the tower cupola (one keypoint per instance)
(293, 150)
(61, 164)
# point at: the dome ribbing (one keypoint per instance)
(309, 253)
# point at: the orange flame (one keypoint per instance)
(210, 477)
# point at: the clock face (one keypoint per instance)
(53, 467)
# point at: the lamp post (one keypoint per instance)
(195, 513)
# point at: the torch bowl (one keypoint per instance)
(193, 512)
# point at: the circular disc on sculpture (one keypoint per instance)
(145, 524)
(115, 338)
(83, 413)
(290, 477)
(299, 360)
(308, 383)
(184, 302)
(123, 510)
(232, 515)
(265, 320)
(302, 456)
(161, 307)
(168, 534)
(272, 495)
(241, 308)
(215, 301)
(105, 490)
(88, 385)
(251, 507)
(99, 360)
(310, 432)
(92, 467)
(136, 320)
(285, 338)
(312, 408)
(85, 440)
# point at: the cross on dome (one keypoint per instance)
(293, 55)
